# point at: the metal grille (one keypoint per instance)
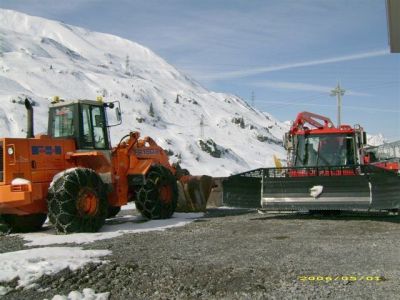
(313, 171)
(1, 162)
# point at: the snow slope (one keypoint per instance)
(40, 58)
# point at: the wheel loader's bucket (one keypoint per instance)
(193, 193)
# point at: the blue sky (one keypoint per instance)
(290, 53)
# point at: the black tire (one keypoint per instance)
(158, 197)
(77, 201)
(113, 211)
(24, 223)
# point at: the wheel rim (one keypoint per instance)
(166, 194)
(88, 202)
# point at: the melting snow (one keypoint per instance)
(87, 294)
(29, 265)
(113, 228)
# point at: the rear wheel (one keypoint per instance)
(157, 198)
(77, 202)
(24, 223)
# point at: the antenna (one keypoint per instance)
(338, 92)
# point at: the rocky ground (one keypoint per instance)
(231, 254)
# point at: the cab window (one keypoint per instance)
(98, 128)
(87, 128)
(63, 122)
(93, 127)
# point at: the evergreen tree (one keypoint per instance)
(242, 125)
(151, 110)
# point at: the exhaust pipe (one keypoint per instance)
(29, 108)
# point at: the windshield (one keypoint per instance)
(324, 150)
(63, 121)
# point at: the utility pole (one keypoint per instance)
(338, 92)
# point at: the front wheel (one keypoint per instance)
(77, 201)
(157, 198)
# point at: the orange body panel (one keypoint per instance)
(134, 157)
(36, 160)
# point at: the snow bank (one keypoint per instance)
(113, 228)
(29, 265)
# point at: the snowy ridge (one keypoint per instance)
(41, 58)
(376, 140)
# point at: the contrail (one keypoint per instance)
(255, 71)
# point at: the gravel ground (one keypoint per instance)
(231, 254)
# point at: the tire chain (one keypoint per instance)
(148, 197)
(65, 215)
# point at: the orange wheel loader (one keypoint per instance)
(74, 176)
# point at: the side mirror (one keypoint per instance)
(364, 138)
(118, 114)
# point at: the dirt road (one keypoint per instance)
(235, 254)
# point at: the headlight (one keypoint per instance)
(10, 150)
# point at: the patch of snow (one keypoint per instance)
(113, 228)
(129, 206)
(316, 190)
(4, 290)
(229, 208)
(87, 294)
(29, 265)
(20, 181)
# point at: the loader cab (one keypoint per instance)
(85, 121)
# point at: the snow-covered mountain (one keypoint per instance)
(376, 140)
(40, 58)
